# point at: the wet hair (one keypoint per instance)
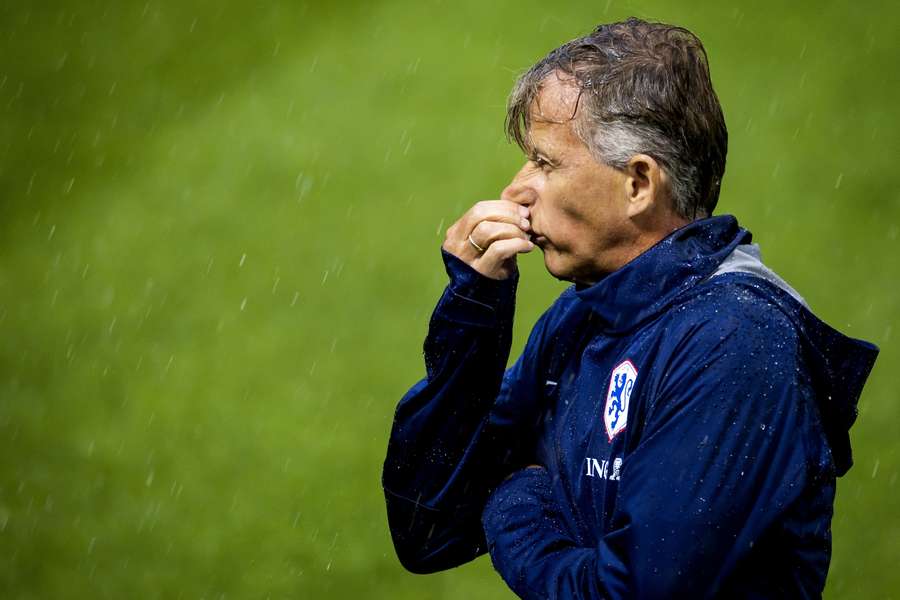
(644, 88)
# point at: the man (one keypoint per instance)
(677, 419)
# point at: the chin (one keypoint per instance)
(556, 267)
(565, 268)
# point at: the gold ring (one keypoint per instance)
(476, 246)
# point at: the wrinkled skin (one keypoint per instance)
(588, 218)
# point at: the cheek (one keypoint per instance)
(574, 221)
(565, 210)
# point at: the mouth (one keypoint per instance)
(539, 240)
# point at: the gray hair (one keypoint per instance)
(644, 88)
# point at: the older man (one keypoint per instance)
(677, 419)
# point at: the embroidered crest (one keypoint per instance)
(621, 382)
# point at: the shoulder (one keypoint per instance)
(566, 308)
(730, 331)
(728, 346)
(738, 308)
(554, 330)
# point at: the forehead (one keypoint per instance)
(557, 99)
(552, 112)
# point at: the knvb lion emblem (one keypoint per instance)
(621, 382)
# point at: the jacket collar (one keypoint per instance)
(649, 283)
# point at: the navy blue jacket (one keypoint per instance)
(687, 415)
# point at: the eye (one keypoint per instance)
(541, 163)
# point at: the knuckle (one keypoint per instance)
(484, 228)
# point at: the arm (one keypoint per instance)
(729, 443)
(450, 441)
(445, 452)
(457, 432)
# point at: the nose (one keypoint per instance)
(521, 190)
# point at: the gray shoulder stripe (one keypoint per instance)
(746, 258)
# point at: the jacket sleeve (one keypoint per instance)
(454, 433)
(729, 442)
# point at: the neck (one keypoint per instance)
(643, 240)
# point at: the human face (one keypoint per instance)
(578, 206)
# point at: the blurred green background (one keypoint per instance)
(219, 233)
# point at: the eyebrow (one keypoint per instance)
(535, 150)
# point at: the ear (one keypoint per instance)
(646, 185)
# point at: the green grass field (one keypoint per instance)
(219, 234)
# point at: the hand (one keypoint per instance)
(500, 228)
(526, 468)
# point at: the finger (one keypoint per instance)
(502, 250)
(457, 243)
(488, 232)
(502, 211)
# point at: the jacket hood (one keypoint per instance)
(838, 365)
